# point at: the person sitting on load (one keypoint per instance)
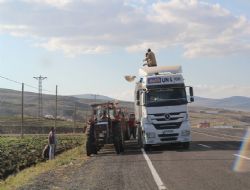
(150, 58)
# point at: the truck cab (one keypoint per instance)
(161, 107)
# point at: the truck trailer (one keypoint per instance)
(161, 107)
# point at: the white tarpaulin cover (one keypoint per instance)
(146, 71)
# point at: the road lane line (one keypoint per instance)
(242, 156)
(156, 176)
(204, 145)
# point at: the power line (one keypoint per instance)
(10, 80)
(28, 85)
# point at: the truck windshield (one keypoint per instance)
(166, 97)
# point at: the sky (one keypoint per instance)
(88, 46)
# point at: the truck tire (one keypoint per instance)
(186, 145)
(128, 132)
(127, 135)
(88, 149)
(139, 140)
(117, 145)
(121, 147)
(147, 147)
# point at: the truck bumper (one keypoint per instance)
(166, 136)
(156, 141)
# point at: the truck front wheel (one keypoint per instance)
(186, 145)
(88, 148)
(147, 147)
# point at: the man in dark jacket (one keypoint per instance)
(52, 143)
(117, 134)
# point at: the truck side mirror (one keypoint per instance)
(191, 99)
(191, 92)
(137, 102)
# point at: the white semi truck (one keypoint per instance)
(161, 107)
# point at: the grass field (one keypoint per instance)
(32, 121)
(17, 153)
(27, 175)
(219, 117)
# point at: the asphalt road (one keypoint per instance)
(207, 165)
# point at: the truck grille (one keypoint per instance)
(162, 114)
(175, 125)
(164, 119)
(159, 117)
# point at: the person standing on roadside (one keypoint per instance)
(91, 144)
(116, 131)
(52, 143)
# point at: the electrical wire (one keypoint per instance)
(10, 80)
(28, 85)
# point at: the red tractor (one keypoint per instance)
(106, 126)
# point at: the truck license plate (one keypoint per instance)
(168, 131)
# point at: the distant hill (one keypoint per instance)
(10, 104)
(93, 97)
(234, 102)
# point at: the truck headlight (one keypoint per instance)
(185, 132)
(149, 119)
(150, 135)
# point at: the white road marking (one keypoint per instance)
(242, 156)
(156, 176)
(204, 145)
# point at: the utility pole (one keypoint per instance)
(22, 109)
(74, 119)
(86, 117)
(56, 108)
(40, 98)
(95, 95)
